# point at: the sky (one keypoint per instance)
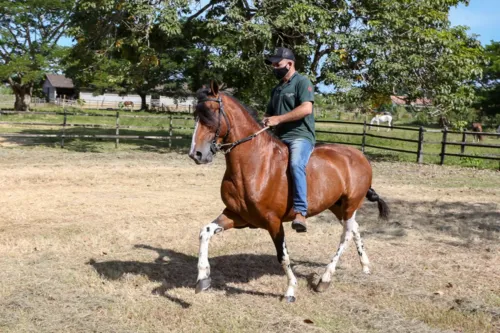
(481, 16)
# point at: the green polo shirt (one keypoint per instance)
(285, 97)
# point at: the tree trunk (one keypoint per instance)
(144, 106)
(23, 95)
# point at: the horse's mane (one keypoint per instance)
(207, 117)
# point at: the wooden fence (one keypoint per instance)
(419, 153)
(421, 142)
(117, 127)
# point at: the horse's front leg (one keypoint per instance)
(225, 221)
(278, 235)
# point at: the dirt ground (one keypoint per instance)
(108, 242)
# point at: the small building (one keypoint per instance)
(58, 86)
(419, 103)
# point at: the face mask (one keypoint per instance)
(281, 72)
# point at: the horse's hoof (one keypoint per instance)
(322, 286)
(203, 285)
(290, 299)
(366, 270)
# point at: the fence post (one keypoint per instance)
(363, 140)
(64, 129)
(117, 140)
(170, 132)
(443, 145)
(420, 148)
(462, 147)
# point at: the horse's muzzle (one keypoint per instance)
(198, 158)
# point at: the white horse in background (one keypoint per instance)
(385, 118)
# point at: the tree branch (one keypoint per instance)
(56, 31)
(5, 55)
(198, 13)
(28, 38)
(13, 35)
(318, 54)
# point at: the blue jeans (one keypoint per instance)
(300, 151)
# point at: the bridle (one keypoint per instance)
(225, 148)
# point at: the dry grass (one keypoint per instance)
(108, 243)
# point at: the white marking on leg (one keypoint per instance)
(292, 280)
(205, 234)
(193, 140)
(344, 242)
(363, 258)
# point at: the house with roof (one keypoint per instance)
(58, 86)
(418, 103)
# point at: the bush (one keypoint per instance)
(422, 118)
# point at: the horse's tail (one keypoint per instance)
(383, 208)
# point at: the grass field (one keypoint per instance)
(108, 242)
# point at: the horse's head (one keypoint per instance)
(211, 126)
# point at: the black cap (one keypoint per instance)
(281, 53)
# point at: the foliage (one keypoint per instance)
(29, 33)
(489, 91)
(126, 46)
(377, 47)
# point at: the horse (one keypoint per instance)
(129, 104)
(386, 118)
(478, 128)
(256, 188)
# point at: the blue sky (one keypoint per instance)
(481, 16)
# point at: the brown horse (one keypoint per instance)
(129, 104)
(256, 188)
(476, 127)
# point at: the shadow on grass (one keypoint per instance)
(466, 221)
(178, 270)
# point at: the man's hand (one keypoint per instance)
(272, 121)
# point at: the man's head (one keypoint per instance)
(283, 62)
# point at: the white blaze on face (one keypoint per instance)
(193, 143)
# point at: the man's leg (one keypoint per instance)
(300, 151)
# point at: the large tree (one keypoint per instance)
(489, 90)
(29, 33)
(128, 46)
(381, 46)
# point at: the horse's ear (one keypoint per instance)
(214, 87)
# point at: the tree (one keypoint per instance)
(126, 46)
(379, 46)
(489, 90)
(29, 33)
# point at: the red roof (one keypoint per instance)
(401, 100)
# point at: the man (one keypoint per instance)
(290, 110)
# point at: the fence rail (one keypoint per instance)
(421, 142)
(117, 126)
(170, 118)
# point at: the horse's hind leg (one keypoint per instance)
(348, 226)
(278, 235)
(363, 258)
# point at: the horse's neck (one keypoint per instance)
(256, 153)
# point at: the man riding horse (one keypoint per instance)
(290, 110)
